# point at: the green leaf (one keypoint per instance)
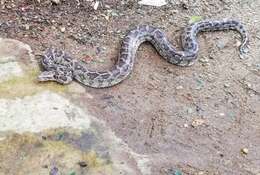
(194, 19)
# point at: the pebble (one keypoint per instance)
(189, 110)
(179, 87)
(96, 5)
(114, 13)
(248, 85)
(205, 64)
(197, 122)
(244, 151)
(56, 1)
(184, 6)
(204, 60)
(226, 85)
(106, 17)
(222, 43)
(156, 3)
(201, 173)
(212, 56)
(62, 29)
(27, 27)
(200, 85)
(82, 164)
(221, 114)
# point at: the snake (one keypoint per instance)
(59, 66)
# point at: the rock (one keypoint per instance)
(156, 3)
(226, 85)
(184, 6)
(62, 29)
(61, 128)
(197, 122)
(96, 4)
(203, 60)
(248, 85)
(9, 70)
(27, 116)
(185, 125)
(83, 164)
(221, 114)
(179, 87)
(33, 115)
(200, 84)
(12, 51)
(244, 151)
(189, 110)
(27, 27)
(56, 1)
(222, 43)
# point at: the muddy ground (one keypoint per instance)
(203, 119)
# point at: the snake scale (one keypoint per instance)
(62, 68)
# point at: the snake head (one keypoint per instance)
(54, 75)
(58, 66)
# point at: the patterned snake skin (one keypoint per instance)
(62, 68)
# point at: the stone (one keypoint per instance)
(156, 3)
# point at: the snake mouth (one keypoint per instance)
(47, 76)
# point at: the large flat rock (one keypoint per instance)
(43, 132)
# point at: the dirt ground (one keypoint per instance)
(203, 119)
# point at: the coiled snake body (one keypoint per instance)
(62, 68)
